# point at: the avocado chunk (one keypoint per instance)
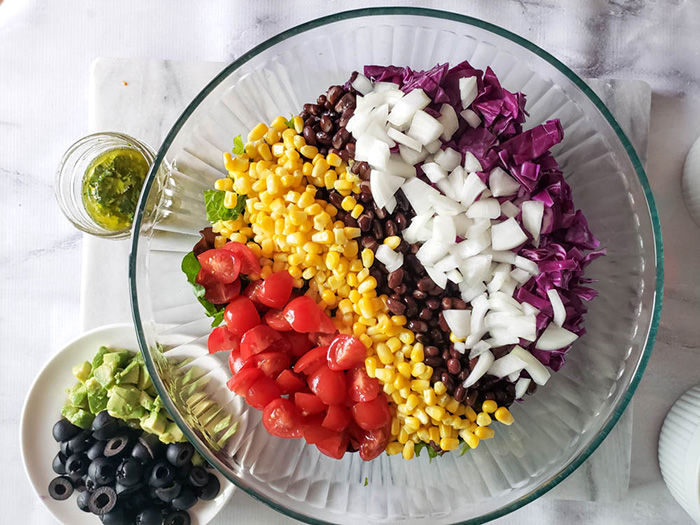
(124, 402)
(82, 371)
(97, 401)
(155, 423)
(105, 374)
(130, 374)
(79, 417)
(77, 396)
(93, 386)
(144, 379)
(172, 434)
(146, 401)
(119, 358)
(97, 360)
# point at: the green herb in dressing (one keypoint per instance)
(112, 187)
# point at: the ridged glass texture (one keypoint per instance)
(555, 430)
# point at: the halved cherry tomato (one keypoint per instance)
(261, 392)
(243, 380)
(275, 319)
(321, 339)
(276, 289)
(315, 433)
(346, 352)
(311, 360)
(249, 262)
(221, 339)
(281, 418)
(236, 363)
(299, 344)
(371, 415)
(272, 363)
(309, 404)
(374, 443)
(357, 435)
(290, 382)
(361, 387)
(329, 385)
(305, 316)
(241, 315)
(221, 265)
(260, 339)
(338, 418)
(334, 446)
(219, 293)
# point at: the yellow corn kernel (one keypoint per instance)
(332, 260)
(483, 419)
(470, 413)
(504, 416)
(280, 123)
(489, 406)
(219, 241)
(393, 241)
(484, 433)
(408, 451)
(418, 385)
(257, 132)
(343, 185)
(238, 237)
(265, 272)
(423, 434)
(324, 237)
(364, 273)
(230, 200)
(371, 366)
(407, 337)
(469, 438)
(455, 339)
(412, 423)
(443, 400)
(449, 443)
(277, 149)
(299, 142)
(404, 369)
(394, 344)
(348, 203)
(394, 448)
(333, 159)
(309, 152)
(370, 283)
(440, 388)
(366, 340)
(400, 382)
(224, 184)
(357, 211)
(298, 124)
(385, 375)
(384, 354)
(367, 257)
(434, 433)
(417, 369)
(436, 412)
(352, 233)
(452, 406)
(412, 402)
(422, 416)
(429, 397)
(403, 436)
(264, 151)
(417, 354)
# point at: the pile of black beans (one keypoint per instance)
(128, 477)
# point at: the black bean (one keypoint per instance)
(321, 100)
(350, 221)
(412, 310)
(403, 247)
(401, 221)
(380, 213)
(418, 295)
(304, 115)
(433, 361)
(446, 303)
(445, 355)
(395, 278)
(454, 353)
(365, 222)
(327, 124)
(335, 198)
(458, 304)
(460, 393)
(432, 303)
(396, 307)
(490, 395)
(345, 102)
(315, 110)
(307, 109)
(335, 93)
(340, 138)
(323, 138)
(432, 351)
(350, 148)
(472, 395)
(449, 382)
(438, 335)
(344, 155)
(390, 228)
(401, 289)
(500, 351)
(309, 136)
(532, 387)
(425, 284)
(422, 338)
(463, 375)
(454, 366)
(417, 326)
(369, 242)
(377, 230)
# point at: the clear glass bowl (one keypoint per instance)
(71, 173)
(555, 430)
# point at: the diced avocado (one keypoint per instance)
(130, 393)
(78, 416)
(105, 374)
(172, 434)
(97, 360)
(155, 423)
(77, 395)
(146, 401)
(120, 358)
(157, 403)
(130, 374)
(138, 413)
(124, 402)
(197, 460)
(82, 371)
(97, 401)
(118, 406)
(93, 386)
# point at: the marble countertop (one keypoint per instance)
(45, 54)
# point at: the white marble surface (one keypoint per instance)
(45, 54)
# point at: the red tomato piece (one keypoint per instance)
(299, 344)
(357, 435)
(315, 433)
(261, 392)
(221, 339)
(361, 387)
(371, 415)
(262, 338)
(309, 404)
(346, 352)
(236, 363)
(248, 261)
(275, 319)
(251, 292)
(240, 315)
(276, 289)
(374, 443)
(220, 265)
(329, 385)
(334, 446)
(338, 418)
(282, 419)
(220, 293)
(272, 363)
(305, 316)
(290, 382)
(243, 380)
(311, 360)
(321, 339)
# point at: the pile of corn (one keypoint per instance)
(287, 227)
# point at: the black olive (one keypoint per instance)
(96, 450)
(59, 463)
(65, 449)
(63, 430)
(180, 454)
(129, 472)
(81, 442)
(117, 516)
(141, 453)
(177, 518)
(101, 471)
(169, 492)
(79, 484)
(102, 500)
(118, 447)
(150, 516)
(162, 473)
(60, 488)
(210, 490)
(77, 465)
(154, 445)
(102, 419)
(185, 500)
(107, 431)
(84, 501)
(198, 477)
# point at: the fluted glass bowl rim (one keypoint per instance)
(499, 31)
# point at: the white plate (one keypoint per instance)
(42, 408)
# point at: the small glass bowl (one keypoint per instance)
(71, 173)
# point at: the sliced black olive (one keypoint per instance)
(79, 484)
(63, 430)
(96, 450)
(154, 445)
(59, 463)
(141, 453)
(102, 500)
(84, 501)
(118, 447)
(198, 477)
(150, 516)
(185, 500)
(101, 471)
(169, 492)
(162, 474)
(65, 448)
(129, 472)
(177, 518)
(81, 442)
(210, 490)
(117, 516)
(77, 465)
(179, 454)
(102, 419)
(60, 488)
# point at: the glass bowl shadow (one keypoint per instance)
(555, 430)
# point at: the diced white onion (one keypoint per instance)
(362, 84)
(484, 209)
(397, 166)
(557, 307)
(509, 209)
(471, 163)
(506, 365)
(431, 252)
(406, 108)
(458, 321)
(438, 277)
(555, 337)
(507, 235)
(411, 156)
(478, 349)
(480, 306)
(480, 368)
(526, 264)
(388, 257)
(402, 138)
(468, 90)
(434, 146)
(448, 159)
(448, 119)
(433, 171)
(476, 268)
(471, 117)
(383, 186)
(537, 370)
(447, 263)
(472, 188)
(462, 224)
(533, 211)
(521, 386)
(503, 256)
(424, 128)
(502, 184)
(444, 229)
(460, 347)
(417, 193)
(474, 246)
(469, 292)
(520, 275)
(455, 276)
